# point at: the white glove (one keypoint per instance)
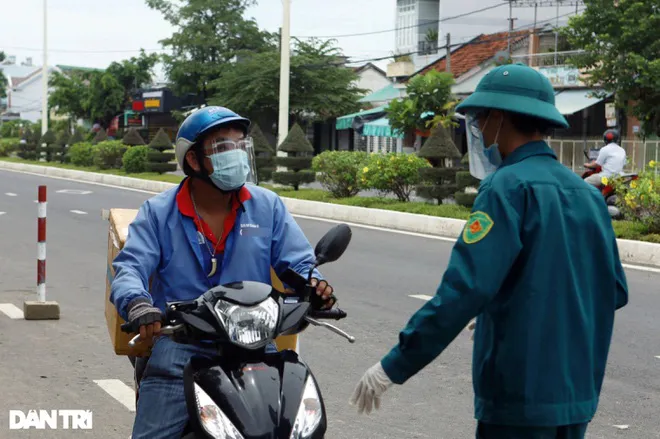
(373, 384)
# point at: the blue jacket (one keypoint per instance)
(164, 244)
(538, 264)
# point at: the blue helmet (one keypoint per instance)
(199, 123)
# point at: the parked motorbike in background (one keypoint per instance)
(607, 190)
(244, 392)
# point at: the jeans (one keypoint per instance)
(490, 431)
(161, 410)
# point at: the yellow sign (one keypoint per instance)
(152, 103)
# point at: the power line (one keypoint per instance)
(406, 27)
(472, 42)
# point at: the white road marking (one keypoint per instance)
(79, 212)
(2, 213)
(36, 201)
(658, 357)
(119, 391)
(12, 311)
(73, 192)
(621, 427)
(421, 297)
(10, 194)
(364, 226)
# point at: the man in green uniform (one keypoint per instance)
(537, 263)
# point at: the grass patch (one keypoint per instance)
(623, 229)
(144, 175)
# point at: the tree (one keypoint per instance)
(466, 184)
(428, 94)
(133, 138)
(209, 35)
(321, 87)
(438, 182)
(264, 154)
(158, 159)
(621, 44)
(3, 78)
(99, 96)
(298, 160)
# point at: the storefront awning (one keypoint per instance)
(346, 122)
(387, 93)
(380, 128)
(571, 101)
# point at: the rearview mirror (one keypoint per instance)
(333, 244)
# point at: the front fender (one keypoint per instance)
(260, 398)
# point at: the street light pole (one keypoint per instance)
(285, 67)
(44, 78)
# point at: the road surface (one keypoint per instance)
(69, 364)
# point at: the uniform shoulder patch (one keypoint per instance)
(477, 227)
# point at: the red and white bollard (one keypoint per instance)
(41, 246)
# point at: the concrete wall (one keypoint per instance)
(372, 80)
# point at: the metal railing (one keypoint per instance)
(550, 59)
(638, 153)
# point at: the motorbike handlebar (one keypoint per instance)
(329, 314)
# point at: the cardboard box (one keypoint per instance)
(119, 220)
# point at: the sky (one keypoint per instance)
(91, 33)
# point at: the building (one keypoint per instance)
(418, 30)
(371, 78)
(25, 89)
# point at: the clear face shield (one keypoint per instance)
(483, 161)
(233, 156)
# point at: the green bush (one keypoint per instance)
(135, 159)
(7, 146)
(393, 173)
(108, 154)
(82, 154)
(438, 182)
(466, 184)
(298, 160)
(27, 148)
(339, 171)
(263, 154)
(100, 136)
(159, 160)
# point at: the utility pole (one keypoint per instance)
(448, 63)
(511, 20)
(44, 78)
(285, 68)
(557, 33)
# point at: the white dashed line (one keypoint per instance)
(79, 212)
(621, 427)
(119, 391)
(658, 357)
(2, 213)
(10, 194)
(74, 192)
(11, 311)
(421, 297)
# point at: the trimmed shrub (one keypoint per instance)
(157, 159)
(100, 136)
(298, 161)
(61, 145)
(108, 154)
(467, 185)
(264, 154)
(7, 146)
(81, 154)
(135, 159)
(27, 148)
(438, 182)
(340, 171)
(393, 173)
(133, 138)
(47, 145)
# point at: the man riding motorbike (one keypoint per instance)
(611, 159)
(210, 230)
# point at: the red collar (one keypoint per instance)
(185, 204)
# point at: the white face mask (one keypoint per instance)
(483, 160)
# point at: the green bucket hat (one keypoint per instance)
(516, 88)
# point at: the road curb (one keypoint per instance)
(631, 252)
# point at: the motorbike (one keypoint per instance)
(246, 392)
(607, 190)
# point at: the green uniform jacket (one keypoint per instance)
(538, 264)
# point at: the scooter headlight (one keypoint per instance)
(250, 327)
(212, 419)
(310, 412)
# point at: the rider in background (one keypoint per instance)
(211, 230)
(611, 159)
